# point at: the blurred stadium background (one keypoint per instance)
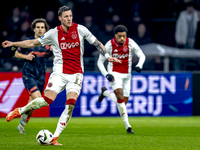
(170, 75)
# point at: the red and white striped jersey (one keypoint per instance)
(68, 47)
(122, 52)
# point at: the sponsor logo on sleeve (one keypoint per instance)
(42, 37)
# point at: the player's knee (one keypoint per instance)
(50, 94)
(118, 91)
(35, 95)
(119, 94)
(73, 94)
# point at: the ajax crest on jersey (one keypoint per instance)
(44, 137)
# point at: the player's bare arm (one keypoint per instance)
(100, 47)
(22, 44)
(103, 51)
(29, 56)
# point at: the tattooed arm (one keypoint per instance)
(100, 47)
(103, 51)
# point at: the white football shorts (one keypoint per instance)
(60, 81)
(122, 81)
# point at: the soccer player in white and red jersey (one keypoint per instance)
(119, 75)
(67, 41)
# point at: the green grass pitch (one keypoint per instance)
(99, 133)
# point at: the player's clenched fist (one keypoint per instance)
(7, 44)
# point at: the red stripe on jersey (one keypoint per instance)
(69, 44)
(120, 52)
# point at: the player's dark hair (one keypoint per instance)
(120, 28)
(38, 20)
(62, 9)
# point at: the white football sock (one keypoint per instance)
(123, 113)
(35, 104)
(110, 95)
(23, 119)
(121, 107)
(64, 119)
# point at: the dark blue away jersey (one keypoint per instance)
(37, 66)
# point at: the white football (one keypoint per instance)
(44, 137)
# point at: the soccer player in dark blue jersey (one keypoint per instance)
(34, 68)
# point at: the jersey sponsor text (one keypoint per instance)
(68, 45)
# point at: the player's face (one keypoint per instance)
(120, 37)
(39, 29)
(66, 18)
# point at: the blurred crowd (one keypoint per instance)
(169, 22)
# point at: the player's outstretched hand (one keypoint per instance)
(112, 59)
(7, 44)
(110, 77)
(138, 69)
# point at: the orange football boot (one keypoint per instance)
(13, 114)
(55, 142)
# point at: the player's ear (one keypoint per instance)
(115, 35)
(59, 18)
